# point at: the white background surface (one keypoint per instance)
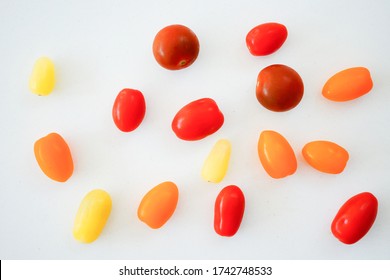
(101, 47)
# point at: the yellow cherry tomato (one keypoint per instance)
(276, 155)
(217, 162)
(42, 78)
(326, 156)
(92, 216)
(158, 205)
(348, 84)
(54, 158)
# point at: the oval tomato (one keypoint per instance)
(266, 38)
(43, 77)
(91, 218)
(217, 162)
(276, 155)
(348, 84)
(325, 156)
(197, 119)
(229, 210)
(159, 204)
(279, 88)
(54, 157)
(175, 47)
(129, 109)
(355, 218)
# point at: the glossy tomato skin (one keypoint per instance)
(229, 210)
(54, 157)
(129, 109)
(279, 88)
(197, 119)
(276, 154)
(159, 204)
(175, 47)
(91, 218)
(348, 84)
(325, 156)
(266, 38)
(355, 218)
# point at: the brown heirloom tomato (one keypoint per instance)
(279, 88)
(175, 47)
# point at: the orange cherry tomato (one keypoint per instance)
(158, 205)
(355, 218)
(276, 155)
(348, 84)
(266, 38)
(229, 210)
(54, 157)
(279, 88)
(175, 47)
(325, 156)
(129, 109)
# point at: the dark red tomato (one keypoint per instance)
(355, 218)
(279, 88)
(129, 109)
(175, 47)
(197, 119)
(229, 210)
(266, 38)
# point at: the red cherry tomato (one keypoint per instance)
(266, 38)
(175, 47)
(197, 119)
(229, 210)
(355, 218)
(279, 88)
(129, 109)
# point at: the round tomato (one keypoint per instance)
(197, 120)
(355, 218)
(175, 47)
(266, 38)
(129, 109)
(279, 88)
(229, 210)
